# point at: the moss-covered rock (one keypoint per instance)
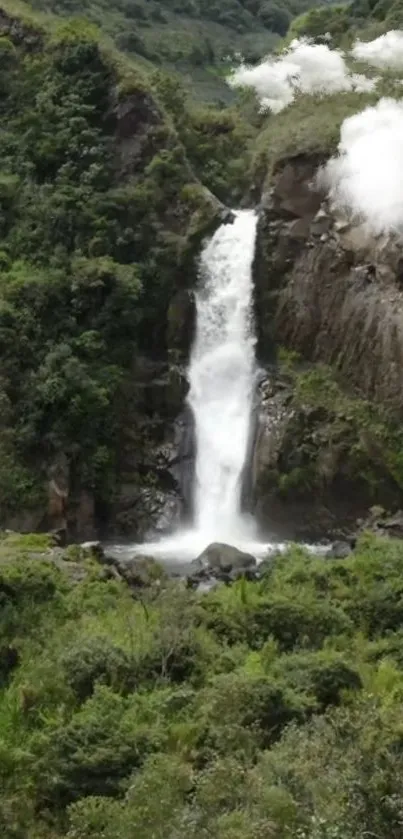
(322, 456)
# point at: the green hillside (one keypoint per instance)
(100, 214)
(344, 21)
(193, 37)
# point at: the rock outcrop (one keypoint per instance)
(331, 293)
(152, 458)
(328, 289)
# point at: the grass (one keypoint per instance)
(19, 544)
(311, 125)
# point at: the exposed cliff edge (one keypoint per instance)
(328, 291)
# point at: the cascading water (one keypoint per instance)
(221, 377)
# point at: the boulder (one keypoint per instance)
(181, 317)
(93, 550)
(382, 524)
(227, 216)
(339, 550)
(139, 571)
(393, 525)
(224, 562)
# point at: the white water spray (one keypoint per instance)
(221, 377)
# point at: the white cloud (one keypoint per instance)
(366, 178)
(385, 52)
(306, 68)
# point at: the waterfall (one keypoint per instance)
(221, 377)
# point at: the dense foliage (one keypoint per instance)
(332, 435)
(195, 37)
(269, 708)
(98, 207)
(344, 21)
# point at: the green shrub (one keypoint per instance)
(97, 661)
(91, 754)
(292, 623)
(295, 624)
(239, 712)
(176, 664)
(325, 676)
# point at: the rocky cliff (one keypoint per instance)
(328, 288)
(332, 294)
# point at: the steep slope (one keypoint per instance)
(330, 294)
(101, 216)
(192, 37)
(368, 18)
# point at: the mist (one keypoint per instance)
(385, 52)
(366, 177)
(304, 68)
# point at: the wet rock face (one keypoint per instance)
(136, 119)
(378, 521)
(327, 289)
(293, 196)
(181, 321)
(296, 513)
(154, 467)
(155, 454)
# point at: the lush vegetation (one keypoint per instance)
(336, 437)
(100, 214)
(344, 21)
(195, 38)
(269, 708)
(98, 233)
(218, 142)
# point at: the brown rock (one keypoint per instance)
(336, 297)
